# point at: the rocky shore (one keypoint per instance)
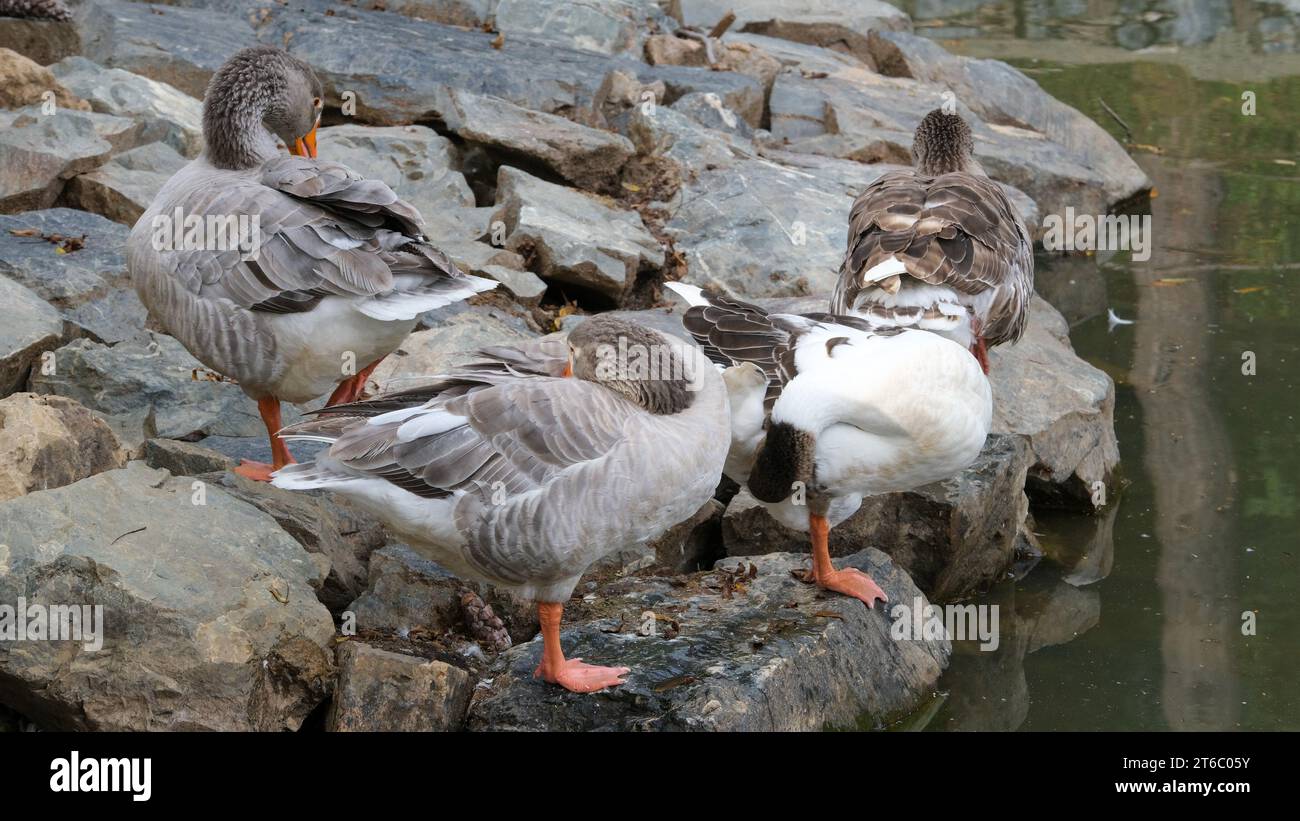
(580, 155)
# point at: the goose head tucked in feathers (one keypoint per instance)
(260, 98)
(639, 364)
(943, 144)
(939, 247)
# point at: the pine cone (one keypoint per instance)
(484, 625)
(35, 9)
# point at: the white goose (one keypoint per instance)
(508, 472)
(888, 392)
(332, 271)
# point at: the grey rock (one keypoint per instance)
(382, 691)
(706, 108)
(209, 618)
(401, 72)
(1053, 153)
(605, 26)
(407, 591)
(585, 157)
(419, 165)
(501, 264)
(466, 13)
(123, 188)
(453, 340)
(853, 16)
(39, 153)
(955, 537)
(32, 328)
(750, 661)
(573, 238)
(159, 42)
(150, 388)
(89, 285)
(323, 524)
(1065, 407)
(999, 93)
(169, 115)
(50, 441)
(184, 458)
(258, 448)
(64, 279)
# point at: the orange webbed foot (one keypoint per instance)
(855, 583)
(257, 471)
(577, 677)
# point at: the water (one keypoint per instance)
(1135, 621)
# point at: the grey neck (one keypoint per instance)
(239, 141)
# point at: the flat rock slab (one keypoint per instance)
(151, 388)
(453, 339)
(382, 691)
(777, 655)
(210, 620)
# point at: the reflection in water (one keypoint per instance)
(1187, 455)
(1134, 619)
(1268, 27)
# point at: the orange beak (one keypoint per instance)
(306, 147)
(568, 369)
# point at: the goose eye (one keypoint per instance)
(316, 102)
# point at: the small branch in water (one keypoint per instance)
(1127, 131)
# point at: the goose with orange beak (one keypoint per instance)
(291, 275)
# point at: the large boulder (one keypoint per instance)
(838, 24)
(40, 152)
(586, 157)
(727, 650)
(123, 188)
(419, 165)
(150, 387)
(48, 442)
(160, 42)
(955, 537)
(323, 523)
(1065, 407)
(382, 691)
(169, 115)
(573, 238)
(75, 261)
(208, 620)
(32, 328)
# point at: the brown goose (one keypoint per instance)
(939, 247)
(291, 275)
